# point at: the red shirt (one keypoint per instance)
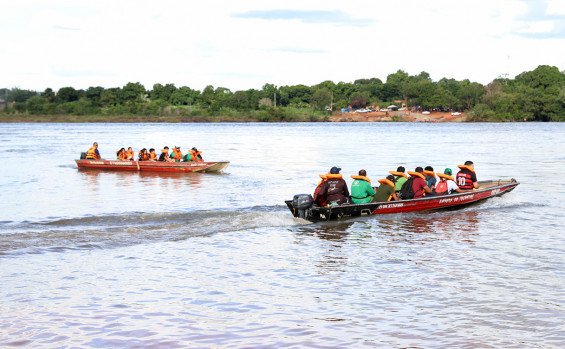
(418, 185)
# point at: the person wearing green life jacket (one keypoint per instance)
(361, 189)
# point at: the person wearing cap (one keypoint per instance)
(335, 188)
(446, 184)
(176, 155)
(361, 190)
(466, 178)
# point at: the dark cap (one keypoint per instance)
(335, 170)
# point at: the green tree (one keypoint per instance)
(321, 98)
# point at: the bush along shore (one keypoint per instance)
(537, 95)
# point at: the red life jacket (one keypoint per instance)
(441, 187)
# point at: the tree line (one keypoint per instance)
(534, 95)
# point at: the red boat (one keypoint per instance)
(302, 205)
(158, 166)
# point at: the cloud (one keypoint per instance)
(334, 17)
(541, 21)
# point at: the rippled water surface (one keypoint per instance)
(107, 259)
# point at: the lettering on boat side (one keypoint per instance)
(457, 199)
(97, 162)
(121, 163)
(385, 206)
(495, 191)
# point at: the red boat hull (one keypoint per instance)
(154, 166)
(491, 189)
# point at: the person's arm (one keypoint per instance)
(427, 189)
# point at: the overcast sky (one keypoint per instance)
(244, 44)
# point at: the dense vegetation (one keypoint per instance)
(535, 95)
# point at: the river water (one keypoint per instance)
(139, 260)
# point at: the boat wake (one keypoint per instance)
(110, 231)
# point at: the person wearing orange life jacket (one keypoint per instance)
(320, 200)
(386, 191)
(419, 185)
(130, 154)
(176, 155)
(431, 179)
(165, 155)
(193, 155)
(335, 188)
(152, 156)
(361, 190)
(93, 152)
(121, 154)
(446, 184)
(143, 155)
(466, 178)
(399, 177)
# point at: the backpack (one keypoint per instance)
(407, 192)
(441, 187)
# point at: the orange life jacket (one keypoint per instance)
(129, 155)
(443, 175)
(177, 155)
(399, 174)
(361, 177)
(121, 155)
(195, 156)
(152, 156)
(143, 156)
(91, 154)
(416, 174)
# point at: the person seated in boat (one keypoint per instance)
(165, 155)
(430, 177)
(399, 177)
(335, 188)
(152, 156)
(130, 154)
(143, 155)
(419, 185)
(386, 191)
(176, 154)
(320, 200)
(193, 155)
(121, 154)
(466, 178)
(93, 153)
(361, 190)
(446, 184)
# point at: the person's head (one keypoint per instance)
(400, 169)
(362, 173)
(390, 178)
(194, 149)
(152, 150)
(419, 169)
(470, 164)
(95, 145)
(177, 147)
(448, 171)
(429, 168)
(130, 149)
(144, 150)
(166, 148)
(335, 170)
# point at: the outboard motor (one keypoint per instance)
(302, 203)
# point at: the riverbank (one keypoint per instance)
(398, 116)
(402, 116)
